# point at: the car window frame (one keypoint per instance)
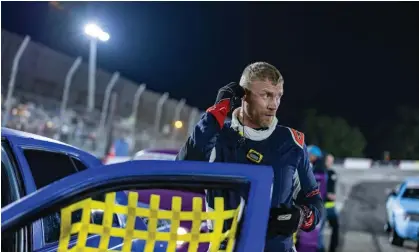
(23, 234)
(23, 148)
(128, 176)
(398, 188)
(11, 160)
(73, 157)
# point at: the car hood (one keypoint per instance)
(410, 205)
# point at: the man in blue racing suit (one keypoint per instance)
(253, 136)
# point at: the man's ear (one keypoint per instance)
(246, 94)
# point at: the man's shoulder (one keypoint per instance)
(291, 136)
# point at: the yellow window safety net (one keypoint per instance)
(84, 227)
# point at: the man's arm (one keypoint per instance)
(308, 197)
(202, 140)
(331, 185)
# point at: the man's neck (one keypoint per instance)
(246, 121)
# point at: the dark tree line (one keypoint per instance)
(399, 136)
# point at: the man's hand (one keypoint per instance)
(287, 220)
(284, 220)
(232, 91)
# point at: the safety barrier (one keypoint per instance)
(357, 163)
(409, 165)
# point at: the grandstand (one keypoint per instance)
(39, 89)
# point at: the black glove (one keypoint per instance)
(284, 220)
(232, 91)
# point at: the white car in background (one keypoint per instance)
(156, 154)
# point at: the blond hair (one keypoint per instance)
(261, 71)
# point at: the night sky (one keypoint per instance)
(355, 60)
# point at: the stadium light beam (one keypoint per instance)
(95, 33)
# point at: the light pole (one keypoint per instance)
(95, 33)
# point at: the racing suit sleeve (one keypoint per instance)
(308, 197)
(200, 143)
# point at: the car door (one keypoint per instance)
(11, 191)
(79, 193)
(38, 166)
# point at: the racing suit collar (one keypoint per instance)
(250, 133)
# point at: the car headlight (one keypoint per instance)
(398, 210)
(181, 231)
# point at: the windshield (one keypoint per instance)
(411, 193)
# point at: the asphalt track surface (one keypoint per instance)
(361, 203)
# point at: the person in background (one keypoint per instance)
(317, 161)
(315, 156)
(330, 204)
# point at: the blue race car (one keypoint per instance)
(402, 209)
(96, 207)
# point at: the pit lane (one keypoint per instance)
(361, 203)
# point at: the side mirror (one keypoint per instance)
(390, 192)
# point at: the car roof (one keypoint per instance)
(47, 143)
(6, 132)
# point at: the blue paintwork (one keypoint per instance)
(254, 220)
(399, 208)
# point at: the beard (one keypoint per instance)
(265, 121)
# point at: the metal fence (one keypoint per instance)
(41, 75)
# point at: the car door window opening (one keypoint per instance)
(124, 184)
